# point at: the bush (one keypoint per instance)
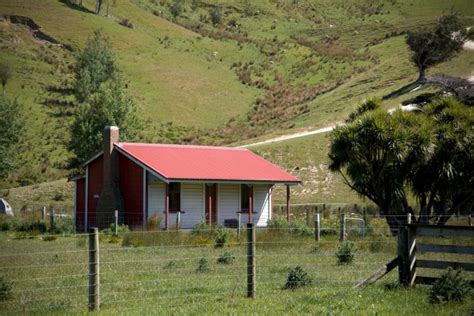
(295, 227)
(451, 286)
(226, 258)
(346, 252)
(30, 226)
(222, 235)
(49, 238)
(121, 229)
(63, 225)
(203, 265)
(6, 288)
(297, 278)
(215, 16)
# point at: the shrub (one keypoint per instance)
(346, 252)
(30, 226)
(200, 228)
(6, 288)
(221, 236)
(49, 238)
(203, 265)
(63, 225)
(295, 227)
(297, 278)
(121, 229)
(215, 16)
(226, 258)
(154, 222)
(451, 286)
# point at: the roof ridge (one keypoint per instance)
(182, 146)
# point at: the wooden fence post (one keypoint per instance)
(94, 272)
(251, 268)
(239, 222)
(342, 235)
(178, 219)
(51, 219)
(317, 227)
(116, 222)
(407, 255)
(307, 215)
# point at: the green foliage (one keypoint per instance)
(176, 8)
(221, 236)
(121, 229)
(346, 253)
(433, 46)
(63, 225)
(109, 106)
(12, 127)
(49, 238)
(28, 225)
(295, 227)
(226, 258)
(297, 278)
(131, 240)
(203, 266)
(6, 288)
(215, 15)
(95, 64)
(451, 286)
(367, 105)
(200, 227)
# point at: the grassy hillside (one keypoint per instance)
(267, 67)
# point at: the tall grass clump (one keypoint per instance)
(226, 258)
(203, 265)
(450, 287)
(346, 253)
(221, 236)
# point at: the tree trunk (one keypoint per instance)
(99, 6)
(422, 75)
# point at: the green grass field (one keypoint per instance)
(155, 273)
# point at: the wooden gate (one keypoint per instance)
(408, 248)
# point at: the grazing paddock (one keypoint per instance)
(157, 272)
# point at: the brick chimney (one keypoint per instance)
(110, 198)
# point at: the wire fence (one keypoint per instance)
(181, 270)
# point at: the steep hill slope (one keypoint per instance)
(266, 68)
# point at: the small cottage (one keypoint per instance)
(175, 184)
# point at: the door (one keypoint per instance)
(211, 203)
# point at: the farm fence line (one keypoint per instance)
(169, 269)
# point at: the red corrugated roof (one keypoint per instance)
(185, 162)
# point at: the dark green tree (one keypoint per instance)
(109, 106)
(385, 157)
(12, 127)
(438, 44)
(95, 64)
(216, 15)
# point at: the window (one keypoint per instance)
(244, 198)
(175, 197)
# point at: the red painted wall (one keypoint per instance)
(95, 181)
(131, 186)
(80, 204)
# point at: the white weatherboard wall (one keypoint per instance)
(192, 203)
(228, 202)
(261, 204)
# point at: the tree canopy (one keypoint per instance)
(386, 157)
(12, 126)
(435, 45)
(95, 64)
(110, 106)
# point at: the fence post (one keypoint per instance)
(116, 222)
(94, 272)
(51, 219)
(407, 254)
(239, 222)
(43, 213)
(251, 268)
(342, 235)
(307, 215)
(317, 227)
(469, 220)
